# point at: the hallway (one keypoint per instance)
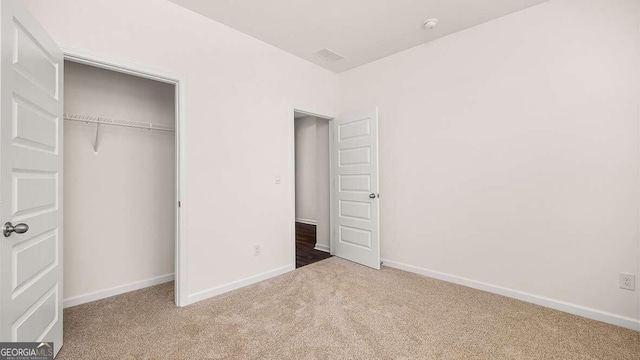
(305, 246)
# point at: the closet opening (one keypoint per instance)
(312, 188)
(120, 183)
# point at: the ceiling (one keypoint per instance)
(360, 30)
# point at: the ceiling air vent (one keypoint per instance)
(329, 55)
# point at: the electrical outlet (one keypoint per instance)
(256, 250)
(627, 281)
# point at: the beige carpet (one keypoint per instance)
(335, 309)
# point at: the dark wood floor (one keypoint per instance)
(305, 242)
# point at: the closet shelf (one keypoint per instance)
(116, 122)
(98, 120)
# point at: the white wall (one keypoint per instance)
(119, 202)
(312, 176)
(240, 95)
(306, 162)
(509, 151)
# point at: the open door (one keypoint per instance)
(355, 188)
(31, 108)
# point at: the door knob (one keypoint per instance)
(9, 228)
(372, 196)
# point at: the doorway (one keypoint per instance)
(179, 85)
(350, 143)
(312, 188)
(119, 162)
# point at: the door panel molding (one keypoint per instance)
(356, 218)
(31, 72)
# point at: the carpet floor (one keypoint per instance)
(335, 309)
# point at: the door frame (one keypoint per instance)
(180, 83)
(292, 167)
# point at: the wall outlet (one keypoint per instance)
(627, 281)
(256, 250)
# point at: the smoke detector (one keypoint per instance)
(431, 24)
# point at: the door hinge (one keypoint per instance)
(179, 204)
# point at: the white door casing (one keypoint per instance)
(355, 188)
(31, 107)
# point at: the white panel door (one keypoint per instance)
(355, 188)
(31, 109)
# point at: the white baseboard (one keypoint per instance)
(116, 290)
(322, 247)
(626, 322)
(307, 221)
(219, 290)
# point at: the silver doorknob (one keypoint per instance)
(372, 196)
(9, 228)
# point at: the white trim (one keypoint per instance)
(119, 65)
(307, 221)
(180, 82)
(116, 290)
(311, 113)
(623, 321)
(323, 247)
(332, 194)
(219, 290)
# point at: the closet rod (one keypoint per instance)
(116, 122)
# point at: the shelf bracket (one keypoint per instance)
(95, 142)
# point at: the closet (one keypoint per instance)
(119, 182)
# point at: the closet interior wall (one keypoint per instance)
(119, 211)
